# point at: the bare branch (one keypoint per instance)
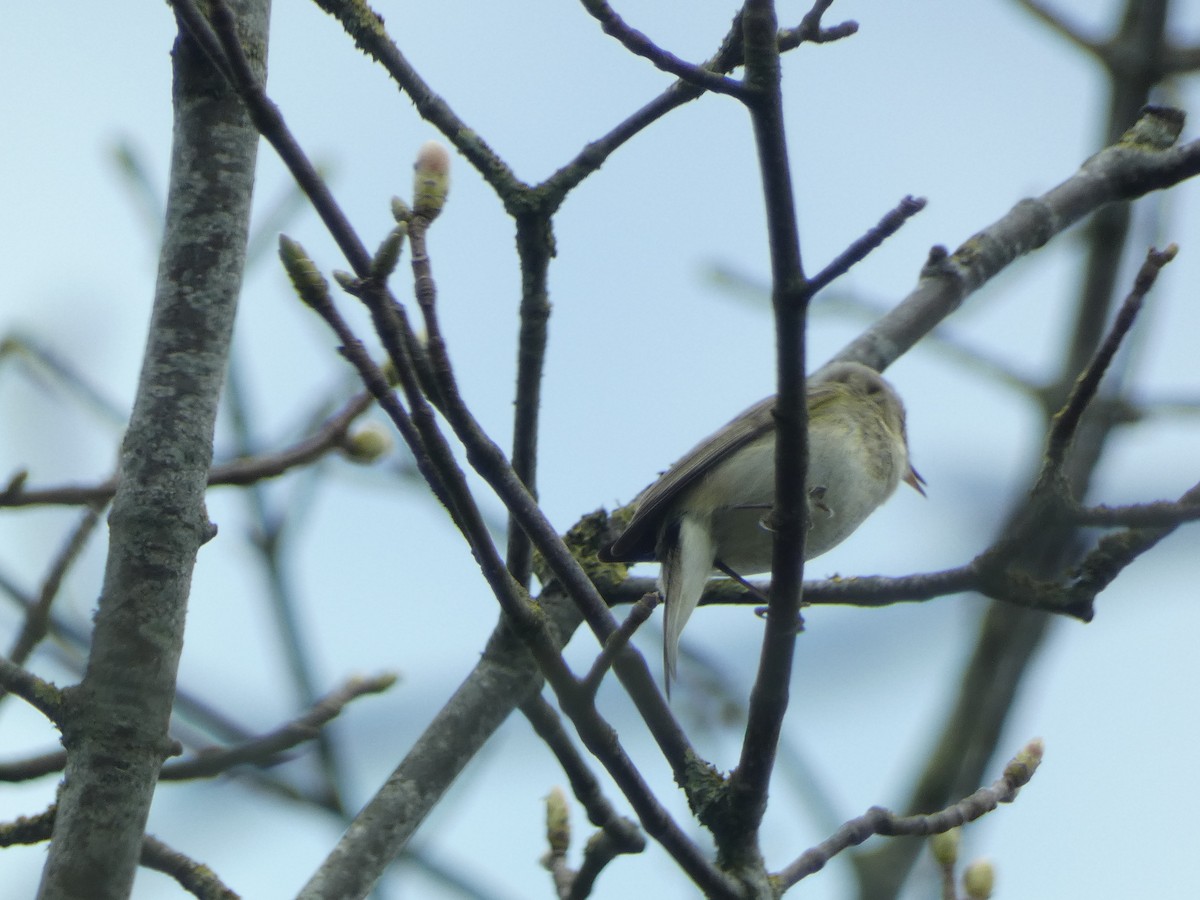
(640, 45)
(265, 750)
(1143, 161)
(28, 829)
(366, 27)
(883, 822)
(194, 877)
(858, 251)
(619, 639)
(1182, 60)
(41, 695)
(38, 615)
(116, 734)
(34, 766)
(736, 826)
(617, 835)
(1163, 514)
(811, 31)
(1115, 551)
(328, 437)
(1066, 422)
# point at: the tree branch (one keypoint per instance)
(37, 616)
(265, 749)
(640, 45)
(196, 878)
(115, 722)
(736, 828)
(43, 696)
(1144, 161)
(239, 472)
(883, 822)
(1065, 423)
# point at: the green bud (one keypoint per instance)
(401, 211)
(348, 282)
(388, 253)
(390, 372)
(431, 180)
(979, 880)
(310, 284)
(558, 824)
(1156, 128)
(1022, 766)
(367, 444)
(945, 846)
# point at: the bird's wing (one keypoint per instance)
(637, 541)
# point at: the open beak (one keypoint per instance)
(913, 478)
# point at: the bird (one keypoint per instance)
(707, 510)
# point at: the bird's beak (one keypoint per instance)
(913, 478)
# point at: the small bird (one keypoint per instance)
(706, 512)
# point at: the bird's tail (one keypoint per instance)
(687, 561)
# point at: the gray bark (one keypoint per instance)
(115, 727)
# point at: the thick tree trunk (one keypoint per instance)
(115, 729)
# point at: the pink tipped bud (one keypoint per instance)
(431, 182)
(1022, 766)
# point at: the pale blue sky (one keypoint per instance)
(972, 106)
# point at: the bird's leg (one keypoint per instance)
(740, 580)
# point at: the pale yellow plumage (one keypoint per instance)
(708, 508)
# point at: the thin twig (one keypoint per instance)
(37, 617)
(858, 251)
(812, 31)
(194, 877)
(1066, 422)
(1122, 171)
(265, 749)
(535, 248)
(34, 766)
(268, 540)
(584, 785)
(619, 640)
(1116, 551)
(602, 848)
(444, 471)
(43, 696)
(640, 45)
(367, 29)
(328, 437)
(28, 829)
(883, 822)
(1162, 514)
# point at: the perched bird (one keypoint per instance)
(707, 510)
